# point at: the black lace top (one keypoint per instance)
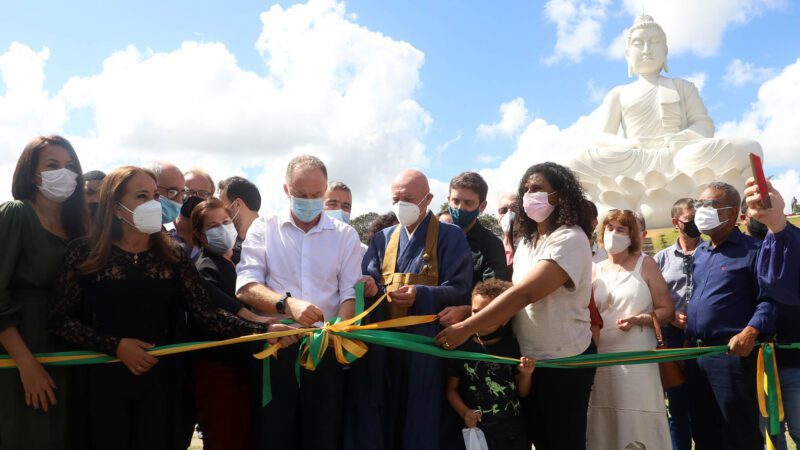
(137, 296)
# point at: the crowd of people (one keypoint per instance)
(140, 257)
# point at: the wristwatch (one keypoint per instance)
(280, 307)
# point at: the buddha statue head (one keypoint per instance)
(646, 51)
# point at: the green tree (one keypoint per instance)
(361, 224)
(491, 223)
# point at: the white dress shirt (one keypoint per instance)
(321, 266)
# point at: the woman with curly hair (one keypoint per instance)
(552, 282)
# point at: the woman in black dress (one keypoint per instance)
(222, 379)
(125, 289)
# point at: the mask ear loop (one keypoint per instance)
(122, 218)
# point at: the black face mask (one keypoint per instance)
(757, 229)
(500, 332)
(690, 229)
(188, 206)
(93, 210)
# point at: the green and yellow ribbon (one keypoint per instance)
(349, 340)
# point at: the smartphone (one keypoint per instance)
(758, 175)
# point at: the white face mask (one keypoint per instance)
(615, 242)
(58, 185)
(407, 213)
(146, 217)
(221, 238)
(505, 222)
(707, 218)
(236, 214)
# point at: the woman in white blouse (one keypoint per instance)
(552, 285)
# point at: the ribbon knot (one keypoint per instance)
(768, 386)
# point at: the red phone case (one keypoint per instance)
(758, 174)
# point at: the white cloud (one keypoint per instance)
(596, 93)
(486, 158)
(26, 108)
(513, 116)
(739, 73)
(330, 87)
(772, 119)
(693, 26)
(788, 184)
(579, 26)
(542, 141)
(698, 79)
(441, 148)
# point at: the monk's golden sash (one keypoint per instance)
(428, 276)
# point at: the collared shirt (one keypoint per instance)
(192, 252)
(779, 278)
(321, 266)
(488, 255)
(725, 296)
(779, 265)
(676, 267)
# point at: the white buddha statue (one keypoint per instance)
(667, 149)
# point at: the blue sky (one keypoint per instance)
(477, 56)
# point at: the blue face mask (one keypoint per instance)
(307, 209)
(462, 218)
(339, 215)
(169, 210)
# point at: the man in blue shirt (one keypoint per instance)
(779, 277)
(726, 308)
(675, 263)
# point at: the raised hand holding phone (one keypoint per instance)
(764, 202)
(758, 175)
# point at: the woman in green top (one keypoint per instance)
(48, 211)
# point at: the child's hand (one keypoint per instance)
(526, 365)
(472, 417)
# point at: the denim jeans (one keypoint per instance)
(723, 406)
(680, 427)
(790, 389)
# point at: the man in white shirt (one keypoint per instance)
(304, 265)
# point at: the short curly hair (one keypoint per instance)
(570, 209)
(491, 288)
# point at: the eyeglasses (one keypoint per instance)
(199, 194)
(626, 211)
(172, 193)
(710, 204)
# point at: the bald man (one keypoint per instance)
(170, 183)
(425, 266)
(507, 218)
